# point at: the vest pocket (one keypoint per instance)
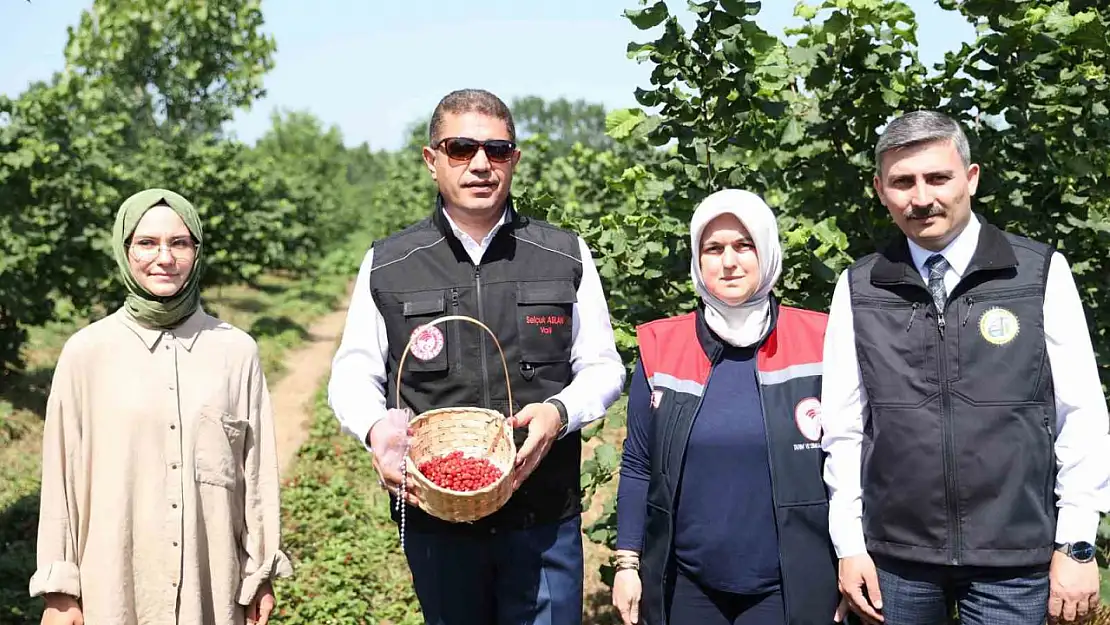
(1002, 357)
(897, 344)
(1050, 479)
(545, 316)
(428, 351)
(1006, 464)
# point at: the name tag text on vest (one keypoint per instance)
(545, 321)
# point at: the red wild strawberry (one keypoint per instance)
(456, 472)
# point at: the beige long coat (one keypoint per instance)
(160, 499)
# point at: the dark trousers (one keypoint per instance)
(924, 594)
(521, 577)
(693, 604)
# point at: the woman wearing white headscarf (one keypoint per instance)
(721, 508)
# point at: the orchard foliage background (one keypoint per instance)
(149, 86)
(797, 119)
(146, 90)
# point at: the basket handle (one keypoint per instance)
(435, 322)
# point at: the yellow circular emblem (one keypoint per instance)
(998, 326)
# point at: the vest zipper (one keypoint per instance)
(482, 340)
(771, 466)
(951, 495)
(968, 301)
(678, 477)
(1011, 293)
(1050, 486)
(913, 313)
(455, 332)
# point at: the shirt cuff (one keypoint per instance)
(574, 413)
(1076, 525)
(277, 565)
(58, 577)
(847, 538)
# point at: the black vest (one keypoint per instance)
(958, 459)
(524, 290)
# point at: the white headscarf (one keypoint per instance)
(747, 323)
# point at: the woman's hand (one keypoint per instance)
(62, 610)
(263, 605)
(626, 595)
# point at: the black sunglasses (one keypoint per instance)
(464, 148)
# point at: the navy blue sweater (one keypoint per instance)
(725, 535)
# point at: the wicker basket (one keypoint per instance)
(477, 432)
(1101, 615)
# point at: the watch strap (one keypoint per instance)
(564, 419)
(1079, 551)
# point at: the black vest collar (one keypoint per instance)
(516, 220)
(992, 252)
(497, 248)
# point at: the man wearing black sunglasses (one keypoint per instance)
(535, 286)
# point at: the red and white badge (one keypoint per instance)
(807, 415)
(427, 342)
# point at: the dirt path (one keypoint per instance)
(306, 368)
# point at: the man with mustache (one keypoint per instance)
(535, 286)
(964, 421)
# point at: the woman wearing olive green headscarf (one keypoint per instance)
(160, 498)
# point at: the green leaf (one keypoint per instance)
(647, 18)
(607, 458)
(701, 151)
(805, 11)
(837, 23)
(740, 8)
(701, 8)
(759, 39)
(645, 127)
(1089, 224)
(794, 132)
(636, 50)
(735, 51)
(620, 123)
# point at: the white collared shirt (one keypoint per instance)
(476, 249)
(1082, 444)
(958, 253)
(355, 390)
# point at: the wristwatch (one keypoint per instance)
(564, 420)
(1081, 551)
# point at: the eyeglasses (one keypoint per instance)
(148, 249)
(464, 148)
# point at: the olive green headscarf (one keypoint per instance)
(147, 308)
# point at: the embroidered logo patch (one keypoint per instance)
(427, 342)
(807, 416)
(656, 397)
(998, 326)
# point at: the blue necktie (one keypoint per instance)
(937, 266)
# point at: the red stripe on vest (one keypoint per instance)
(806, 329)
(671, 345)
